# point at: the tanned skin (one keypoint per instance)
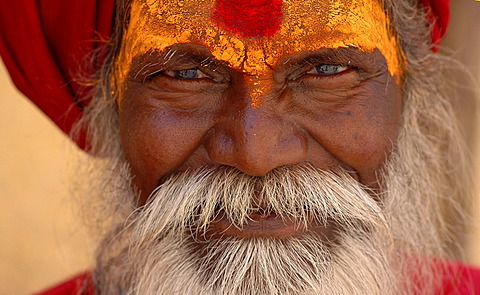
(192, 116)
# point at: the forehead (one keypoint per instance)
(271, 26)
(253, 35)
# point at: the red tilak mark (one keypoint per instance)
(249, 18)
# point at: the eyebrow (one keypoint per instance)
(370, 63)
(154, 61)
(343, 54)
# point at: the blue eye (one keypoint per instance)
(187, 74)
(326, 69)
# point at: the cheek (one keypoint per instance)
(360, 133)
(157, 141)
(368, 139)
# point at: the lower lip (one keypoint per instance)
(257, 226)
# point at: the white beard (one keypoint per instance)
(155, 251)
(263, 266)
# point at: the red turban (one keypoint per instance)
(44, 43)
(438, 12)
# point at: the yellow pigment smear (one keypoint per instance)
(307, 25)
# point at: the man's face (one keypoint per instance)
(262, 137)
(257, 87)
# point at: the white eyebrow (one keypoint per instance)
(170, 53)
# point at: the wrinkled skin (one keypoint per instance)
(174, 121)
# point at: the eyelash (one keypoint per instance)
(337, 69)
(177, 73)
(312, 67)
(174, 74)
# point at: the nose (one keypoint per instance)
(256, 140)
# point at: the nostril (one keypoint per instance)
(256, 153)
(255, 141)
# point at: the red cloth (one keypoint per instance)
(438, 12)
(78, 285)
(466, 282)
(462, 280)
(44, 43)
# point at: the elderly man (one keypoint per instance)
(257, 147)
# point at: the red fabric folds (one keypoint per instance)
(43, 44)
(79, 285)
(438, 12)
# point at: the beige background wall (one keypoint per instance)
(41, 241)
(463, 43)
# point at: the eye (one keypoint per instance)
(187, 74)
(327, 70)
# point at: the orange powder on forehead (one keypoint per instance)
(306, 25)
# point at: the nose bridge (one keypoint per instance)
(256, 140)
(258, 132)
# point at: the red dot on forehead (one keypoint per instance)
(249, 18)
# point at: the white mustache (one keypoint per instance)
(298, 193)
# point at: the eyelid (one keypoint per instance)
(346, 57)
(201, 74)
(307, 69)
(342, 68)
(151, 64)
(214, 75)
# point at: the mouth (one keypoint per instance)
(263, 225)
